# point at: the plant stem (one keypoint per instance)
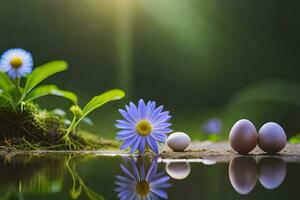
(18, 92)
(17, 82)
(30, 145)
(71, 127)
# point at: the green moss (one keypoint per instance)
(35, 129)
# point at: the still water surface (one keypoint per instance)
(94, 177)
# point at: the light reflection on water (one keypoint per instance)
(70, 176)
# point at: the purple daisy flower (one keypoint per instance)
(213, 126)
(139, 184)
(16, 62)
(143, 126)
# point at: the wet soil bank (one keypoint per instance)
(222, 152)
(198, 151)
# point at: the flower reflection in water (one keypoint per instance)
(140, 183)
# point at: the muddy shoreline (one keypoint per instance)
(222, 152)
(198, 152)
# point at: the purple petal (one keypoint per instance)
(128, 173)
(160, 181)
(152, 144)
(135, 170)
(122, 124)
(125, 195)
(152, 196)
(161, 119)
(126, 186)
(150, 108)
(156, 112)
(142, 145)
(124, 179)
(159, 137)
(161, 126)
(142, 109)
(126, 116)
(125, 132)
(163, 131)
(160, 193)
(126, 136)
(131, 197)
(142, 172)
(152, 171)
(132, 111)
(128, 142)
(164, 113)
(165, 185)
(135, 145)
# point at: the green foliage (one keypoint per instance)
(40, 74)
(100, 100)
(5, 82)
(213, 137)
(15, 100)
(5, 87)
(295, 139)
(50, 90)
(94, 103)
(12, 92)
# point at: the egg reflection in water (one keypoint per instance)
(243, 174)
(271, 172)
(178, 170)
(140, 182)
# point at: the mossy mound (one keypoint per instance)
(32, 128)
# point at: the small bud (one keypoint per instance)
(76, 110)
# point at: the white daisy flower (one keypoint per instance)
(16, 63)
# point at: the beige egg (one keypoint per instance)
(243, 136)
(178, 141)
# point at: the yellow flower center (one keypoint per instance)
(16, 62)
(142, 188)
(143, 128)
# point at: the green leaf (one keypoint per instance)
(50, 90)
(43, 72)
(6, 86)
(3, 101)
(100, 100)
(5, 81)
(6, 96)
(3, 98)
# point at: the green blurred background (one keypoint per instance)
(202, 59)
